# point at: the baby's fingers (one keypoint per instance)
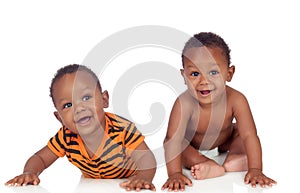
(17, 181)
(23, 180)
(31, 181)
(271, 182)
(149, 186)
(10, 182)
(152, 187)
(247, 179)
(124, 184)
(252, 180)
(127, 185)
(262, 181)
(137, 185)
(174, 185)
(188, 181)
(266, 181)
(166, 184)
(142, 185)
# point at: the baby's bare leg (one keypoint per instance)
(201, 166)
(236, 159)
(191, 156)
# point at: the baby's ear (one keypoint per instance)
(57, 117)
(230, 73)
(105, 98)
(182, 74)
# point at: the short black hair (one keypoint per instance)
(207, 39)
(69, 69)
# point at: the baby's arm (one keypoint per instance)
(34, 166)
(248, 133)
(173, 147)
(146, 165)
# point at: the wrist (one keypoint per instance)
(255, 169)
(174, 173)
(30, 173)
(147, 175)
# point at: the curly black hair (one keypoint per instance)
(207, 39)
(69, 69)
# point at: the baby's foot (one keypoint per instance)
(207, 169)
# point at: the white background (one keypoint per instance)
(37, 38)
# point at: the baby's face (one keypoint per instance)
(206, 72)
(79, 102)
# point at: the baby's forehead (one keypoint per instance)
(75, 80)
(205, 55)
(202, 52)
(83, 75)
(84, 78)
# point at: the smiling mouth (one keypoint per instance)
(84, 120)
(205, 92)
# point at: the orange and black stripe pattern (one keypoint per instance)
(112, 160)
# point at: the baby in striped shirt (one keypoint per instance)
(99, 143)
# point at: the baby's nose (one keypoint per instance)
(203, 80)
(79, 107)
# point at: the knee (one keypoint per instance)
(228, 166)
(236, 163)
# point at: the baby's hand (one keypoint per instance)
(23, 180)
(177, 182)
(137, 183)
(255, 176)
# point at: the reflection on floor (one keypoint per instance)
(69, 183)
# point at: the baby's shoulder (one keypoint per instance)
(186, 99)
(186, 103)
(116, 119)
(234, 96)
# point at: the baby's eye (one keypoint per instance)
(213, 72)
(85, 98)
(195, 73)
(67, 105)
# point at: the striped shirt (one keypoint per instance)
(112, 159)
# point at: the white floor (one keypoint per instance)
(229, 183)
(70, 181)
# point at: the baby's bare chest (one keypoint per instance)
(210, 126)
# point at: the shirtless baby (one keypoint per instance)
(208, 115)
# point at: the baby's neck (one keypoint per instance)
(92, 142)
